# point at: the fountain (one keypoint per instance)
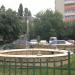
(35, 53)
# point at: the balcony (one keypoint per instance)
(69, 20)
(69, 1)
(69, 7)
(71, 13)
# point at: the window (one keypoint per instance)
(69, 11)
(58, 42)
(70, 17)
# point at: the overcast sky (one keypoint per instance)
(33, 5)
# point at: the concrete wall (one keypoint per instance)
(59, 6)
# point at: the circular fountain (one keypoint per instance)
(37, 54)
(34, 53)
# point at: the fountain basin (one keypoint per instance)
(37, 55)
(33, 53)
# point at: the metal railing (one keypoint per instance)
(35, 66)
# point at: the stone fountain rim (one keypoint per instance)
(62, 53)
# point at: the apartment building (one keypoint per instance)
(66, 8)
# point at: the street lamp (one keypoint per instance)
(27, 29)
(27, 32)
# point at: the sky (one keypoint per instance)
(33, 5)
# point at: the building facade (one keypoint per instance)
(66, 8)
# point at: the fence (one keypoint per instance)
(27, 66)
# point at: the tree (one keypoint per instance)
(20, 10)
(69, 30)
(9, 25)
(2, 9)
(48, 23)
(26, 14)
(29, 13)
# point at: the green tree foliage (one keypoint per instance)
(69, 30)
(27, 14)
(2, 9)
(48, 23)
(9, 25)
(20, 10)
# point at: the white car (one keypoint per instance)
(43, 42)
(33, 42)
(71, 41)
(60, 42)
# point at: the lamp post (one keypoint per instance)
(27, 32)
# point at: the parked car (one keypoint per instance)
(21, 42)
(33, 42)
(43, 42)
(52, 38)
(71, 41)
(60, 42)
